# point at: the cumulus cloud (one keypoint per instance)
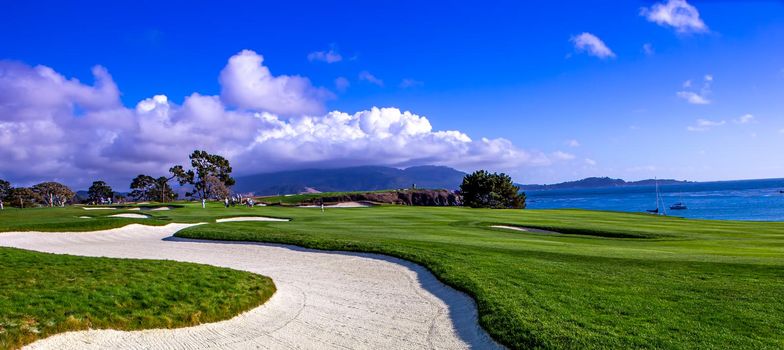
(591, 44)
(248, 84)
(330, 56)
(560, 155)
(705, 125)
(370, 78)
(697, 97)
(54, 128)
(573, 143)
(590, 162)
(745, 119)
(678, 14)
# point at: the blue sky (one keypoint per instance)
(663, 100)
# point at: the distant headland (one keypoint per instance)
(599, 182)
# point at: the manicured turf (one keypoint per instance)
(672, 283)
(610, 281)
(295, 199)
(43, 294)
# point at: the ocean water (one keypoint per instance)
(754, 200)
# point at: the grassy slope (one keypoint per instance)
(687, 284)
(669, 283)
(299, 198)
(43, 294)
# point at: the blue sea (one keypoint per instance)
(754, 200)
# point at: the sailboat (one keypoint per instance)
(659, 202)
(678, 206)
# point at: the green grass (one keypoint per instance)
(611, 280)
(294, 199)
(669, 283)
(43, 294)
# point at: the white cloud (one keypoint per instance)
(590, 161)
(410, 83)
(697, 97)
(693, 97)
(705, 124)
(330, 56)
(370, 78)
(587, 42)
(248, 84)
(648, 50)
(677, 14)
(745, 119)
(573, 143)
(43, 137)
(560, 155)
(341, 84)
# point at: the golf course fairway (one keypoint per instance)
(597, 280)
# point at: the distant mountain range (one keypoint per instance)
(363, 178)
(597, 182)
(373, 178)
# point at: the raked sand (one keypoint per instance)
(324, 300)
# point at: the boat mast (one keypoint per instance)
(659, 199)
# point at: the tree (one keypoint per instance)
(204, 165)
(5, 188)
(53, 193)
(215, 188)
(99, 190)
(483, 189)
(163, 191)
(143, 188)
(21, 197)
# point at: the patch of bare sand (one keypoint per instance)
(250, 218)
(526, 229)
(324, 300)
(342, 205)
(129, 216)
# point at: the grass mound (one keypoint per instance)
(43, 294)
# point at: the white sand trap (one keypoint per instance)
(98, 208)
(135, 209)
(129, 216)
(526, 229)
(324, 300)
(250, 218)
(341, 205)
(85, 217)
(160, 208)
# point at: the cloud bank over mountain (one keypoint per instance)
(56, 128)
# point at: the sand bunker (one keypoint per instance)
(85, 217)
(526, 229)
(98, 208)
(341, 205)
(135, 209)
(129, 216)
(324, 300)
(250, 218)
(160, 208)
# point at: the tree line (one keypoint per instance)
(209, 177)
